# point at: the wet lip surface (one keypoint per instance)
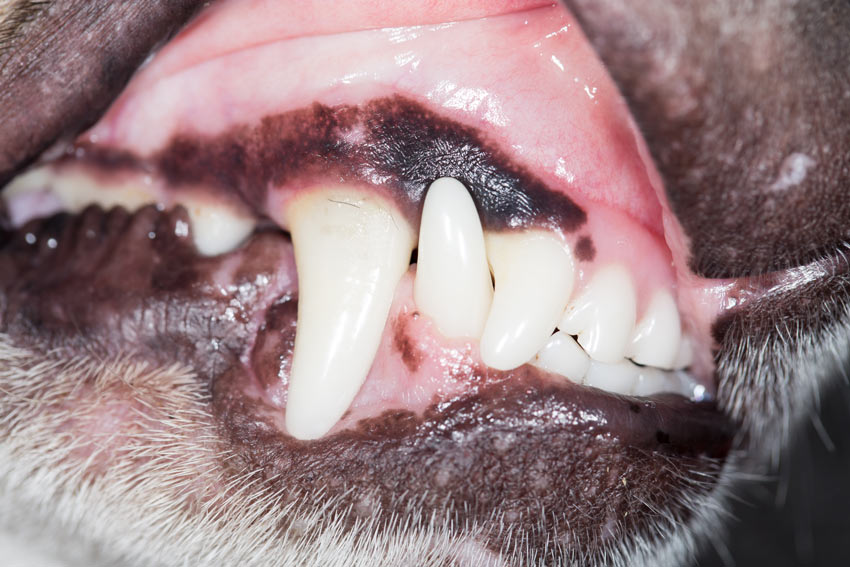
(516, 444)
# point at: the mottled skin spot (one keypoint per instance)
(584, 250)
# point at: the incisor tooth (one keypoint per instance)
(534, 277)
(656, 338)
(217, 228)
(603, 316)
(350, 252)
(619, 378)
(452, 283)
(563, 356)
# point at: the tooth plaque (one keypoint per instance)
(350, 253)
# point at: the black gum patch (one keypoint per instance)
(394, 144)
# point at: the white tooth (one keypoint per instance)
(603, 315)
(350, 252)
(42, 192)
(217, 228)
(453, 284)
(685, 354)
(563, 356)
(652, 381)
(534, 277)
(655, 341)
(619, 378)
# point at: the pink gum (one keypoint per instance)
(525, 76)
(541, 95)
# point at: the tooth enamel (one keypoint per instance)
(72, 192)
(651, 381)
(656, 338)
(618, 378)
(603, 315)
(453, 284)
(534, 277)
(350, 252)
(563, 356)
(685, 354)
(217, 228)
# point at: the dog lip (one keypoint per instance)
(515, 444)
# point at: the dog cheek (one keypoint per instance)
(73, 58)
(745, 112)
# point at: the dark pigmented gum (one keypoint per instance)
(405, 345)
(585, 250)
(392, 143)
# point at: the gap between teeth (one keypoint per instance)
(351, 250)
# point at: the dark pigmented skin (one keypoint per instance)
(114, 283)
(393, 144)
(62, 63)
(543, 458)
(745, 107)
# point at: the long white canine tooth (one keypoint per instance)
(603, 315)
(534, 275)
(453, 284)
(563, 356)
(351, 249)
(655, 341)
(217, 228)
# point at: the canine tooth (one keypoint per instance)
(656, 338)
(452, 283)
(350, 252)
(534, 277)
(603, 315)
(618, 378)
(563, 356)
(217, 228)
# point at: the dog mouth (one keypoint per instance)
(398, 277)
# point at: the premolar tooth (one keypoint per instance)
(563, 356)
(534, 277)
(217, 228)
(656, 338)
(603, 316)
(350, 252)
(453, 284)
(43, 191)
